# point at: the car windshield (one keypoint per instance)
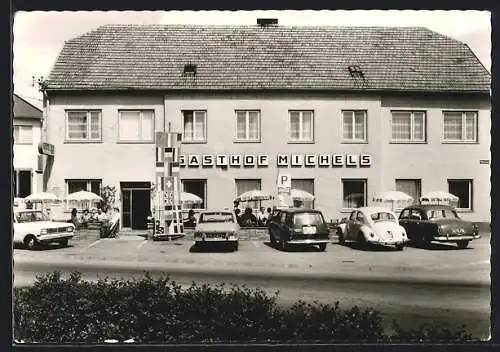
(30, 216)
(383, 216)
(442, 214)
(216, 217)
(308, 219)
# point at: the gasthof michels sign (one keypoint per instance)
(280, 160)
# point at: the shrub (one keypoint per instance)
(159, 310)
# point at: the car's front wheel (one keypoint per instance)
(30, 242)
(322, 247)
(400, 246)
(63, 243)
(234, 246)
(462, 244)
(340, 236)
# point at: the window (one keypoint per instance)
(354, 193)
(301, 126)
(354, 126)
(195, 125)
(306, 185)
(460, 126)
(463, 190)
(93, 186)
(83, 125)
(245, 185)
(411, 187)
(22, 183)
(248, 125)
(196, 187)
(23, 134)
(408, 126)
(136, 126)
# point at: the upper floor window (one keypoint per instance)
(301, 126)
(23, 134)
(408, 126)
(195, 126)
(83, 125)
(460, 126)
(136, 125)
(248, 125)
(354, 126)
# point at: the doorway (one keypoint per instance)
(135, 204)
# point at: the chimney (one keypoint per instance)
(266, 22)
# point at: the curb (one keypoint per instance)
(34, 265)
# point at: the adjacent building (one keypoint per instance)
(27, 124)
(345, 111)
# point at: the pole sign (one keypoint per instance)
(284, 180)
(46, 149)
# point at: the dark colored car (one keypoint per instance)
(437, 223)
(298, 226)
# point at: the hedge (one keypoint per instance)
(149, 310)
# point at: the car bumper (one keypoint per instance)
(55, 237)
(455, 238)
(309, 241)
(216, 239)
(387, 243)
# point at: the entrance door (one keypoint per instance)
(140, 209)
(135, 204)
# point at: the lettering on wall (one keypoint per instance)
(282, 160)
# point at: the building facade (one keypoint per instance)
(409, 122)
(27, 124)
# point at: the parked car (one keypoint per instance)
(217, 226)
(298, 226)
(372, 225)
(437, 223)
(32, 227)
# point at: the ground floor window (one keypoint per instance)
(354, 193)
(463, 190)
(196, 187)
(22, 183)
(306, 185)
(93, 186)
(245, 185)
(412, 187)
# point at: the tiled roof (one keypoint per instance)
(23, 109)
(121, 57)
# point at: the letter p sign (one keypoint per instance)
(284, 181)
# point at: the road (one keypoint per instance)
(441, 284)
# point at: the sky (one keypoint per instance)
(40, 35)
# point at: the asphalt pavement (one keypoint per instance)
(416, 285)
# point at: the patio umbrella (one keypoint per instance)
(254, 195)
(83, 197)
(190, 198)
(298, 194)
(41, 197)
(439, 197)
(401, 199)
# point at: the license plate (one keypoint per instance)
(215, 235)
(309, 230)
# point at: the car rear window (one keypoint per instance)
(216, 217)
(383, 216)
(308, 219)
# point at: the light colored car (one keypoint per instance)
(217, 226)
(373, 225)
(31, 228)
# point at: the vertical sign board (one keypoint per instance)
(168, 215)
(284, 184)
